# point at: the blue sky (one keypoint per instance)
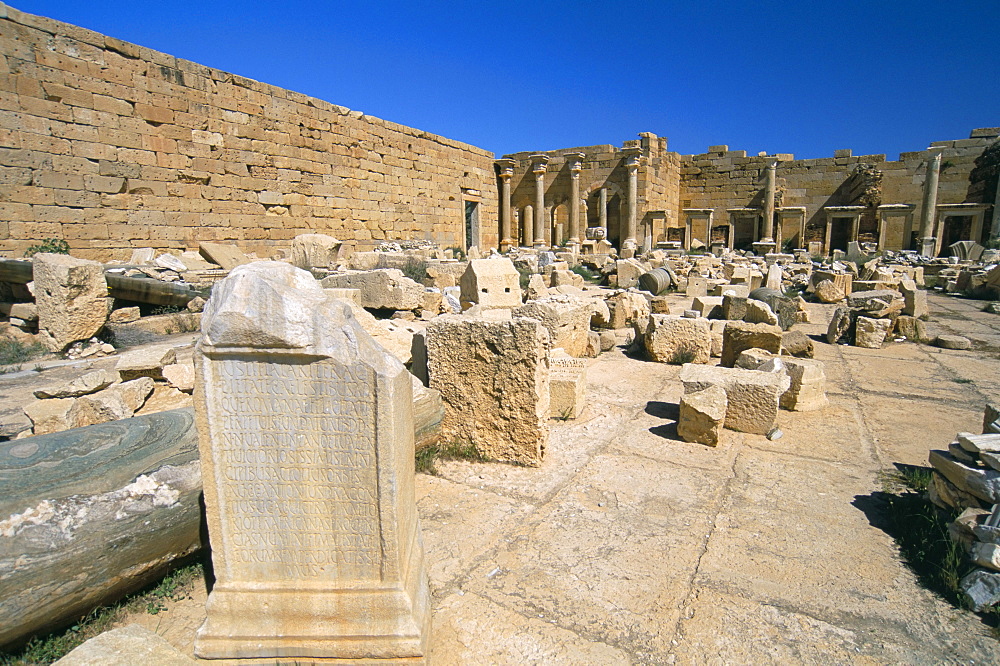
(792, 77)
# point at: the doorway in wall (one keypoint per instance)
(840, 233)
(955, 228)
(471, 223)
(744, 232)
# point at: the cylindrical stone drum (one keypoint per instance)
(655, 281)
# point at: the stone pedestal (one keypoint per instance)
(306, 440)
(764, 246)
(928, 246)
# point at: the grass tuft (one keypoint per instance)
(683, 354)
(427, 457)
(15, 352)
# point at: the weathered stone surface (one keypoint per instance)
(494, 380)
(752, 395)
(48, 416)
(84, 495)
(807, 391)
(674, 339)
(752, 359)
(491, 283)
(305, 404)
(567, 386)
(90, 382)
(100, 407)
(125, 647)
(164, 398)
(871, 333)
(797, 343)
(608, 340)
(914, 299)
(840, 325)
(983, 483)
(135, 391)
(147, 362)
(226, 255)
(911, 328)
(536, 288)
(626, 307)
(124, 315)
(739, 336)
(982, 588)
(72, 299)
(877, 304)
(380, 289)
(759, 312)
(718, 330)
(314, 251)
(984, 443)
(628, 271)
(947, 495)
(986, 555)
(567, 319)
(180, 376)
(708, 306)
(828, 291)
(952, 342)
(702, 415)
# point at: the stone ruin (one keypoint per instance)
(326, 360)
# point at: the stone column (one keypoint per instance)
(506, 172)
(575, 166)
(769, 201)
(632, 164)
(539, 163)
(929, 209)
(528, 226)
(602, 210)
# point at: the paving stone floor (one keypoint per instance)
(630, 546)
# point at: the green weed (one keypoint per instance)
(15, 351)
(683, 354)
(51, 245)
(427, 457)
(586, 273)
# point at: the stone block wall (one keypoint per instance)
(112, 146)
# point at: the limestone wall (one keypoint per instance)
(724, 180)
(112, 146)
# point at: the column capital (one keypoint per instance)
(539, 163)
(574, 161)
(505, 166)
(632, 156)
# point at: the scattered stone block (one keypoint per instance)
(828, 291)
(295, 398)
(567, 319)
(628, 271)
(163, 399)
(878, 304)
(911, 328)
(146, 362)
(49, 416)
(702, 415)
(314, 251)
(807, 390)
(734, 307)
(91, 382)
(673, 339)
(945, 494)
(134, 392)
(982, 588)
(985, 443)
(986, 555)
(567, 386)
(494, 380)
(983, 483)
(952, 342)
(871, 333)
(225, 255)
(709, 307)
(797, 343)
(536, 288)
(659, 305)
(752, 395)
(128, 645)
(696, 286)
(914, 299)
(739, 336)
(608, 340)
(626, 308)
(759, 312)
(100, 407)
(124, 315)
(380, 289)
(718, 329)
(72, 299)
(491, 283)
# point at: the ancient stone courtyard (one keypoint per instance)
(631, 546)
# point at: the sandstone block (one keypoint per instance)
(871, 333)
(567, 319)
(536, 288)
(494, 380)
(129, 645)
(983, 483)
(828, 291)
(702, 415)
(752, 395)
(734, 307)
(674, 339)
(738, 336)
(626, 308)
(797, 343)
(72, 299)
(914, 299)
(709, 307)
(226, 256)
(146, 362)
(807, 388)
(124, 315)
(952, 342)
(911, 328)
(628, 271)
(567, 386)
(164, 398)
(840, 325)
(380, 289)
(90, 382)
(491, 283)
(314, 251)
(100, 407)
(48, 416)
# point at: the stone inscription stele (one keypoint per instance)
(305, 429)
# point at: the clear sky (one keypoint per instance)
(802, 77)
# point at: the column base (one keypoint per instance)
(927, 246)
(764, 246)
(507, 244)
